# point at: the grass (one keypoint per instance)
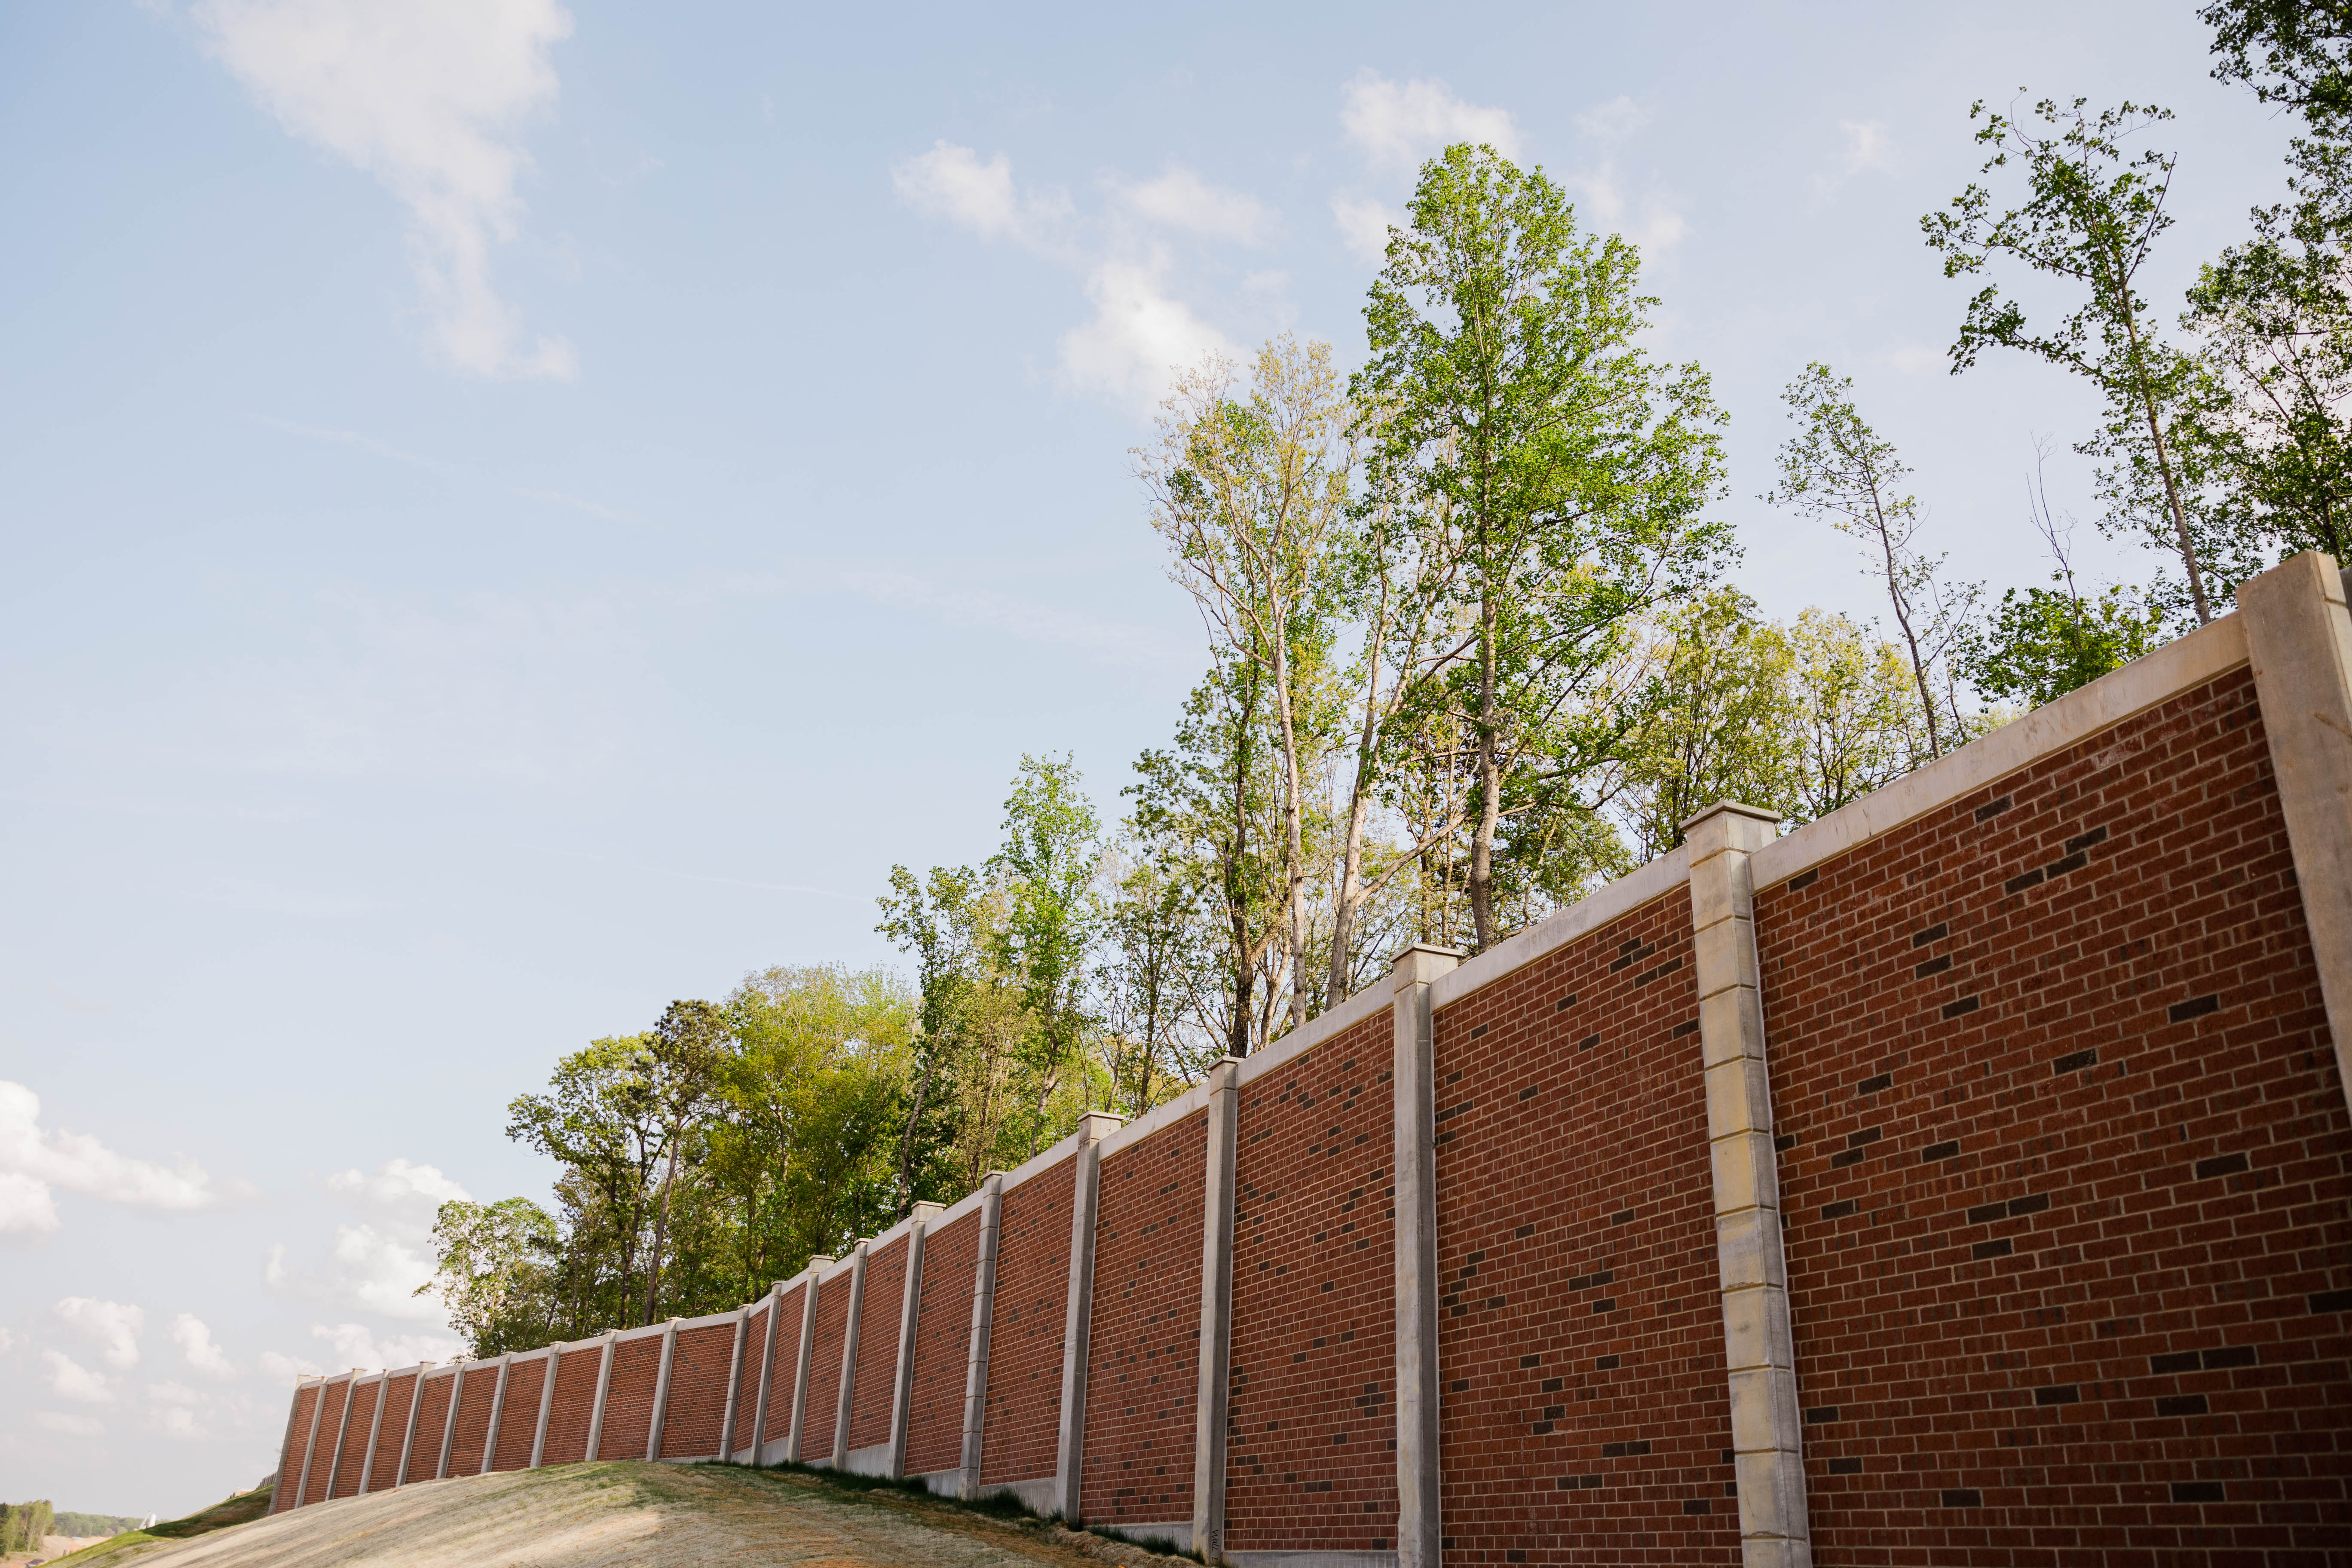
(238, 1508)
(996, 1505)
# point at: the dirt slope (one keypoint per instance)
(655, 1516)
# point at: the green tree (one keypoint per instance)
(493, 1272)
(1558, 473)
(598, 1118)
(1837, 467)
(682, 1059)
(1049, 865)
(1715, 720)
(2091, 215)
(1853, 715)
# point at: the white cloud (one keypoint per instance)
(1653, 222)
(69, 1379)
(397, 1183)
(951, 182)
(172, 1393)
(273, 1273)
(379, 1272)
(7, 1342)
(1398, 124)
(196, 1343)
(1613, 121)
(1139, 335)
(114, 1327)
(177, 1422)
(1364, 225)
(33, 1161)
(282, 1370)
(68, 1426)
(1866, 147)
(1182, 199)
(356, 1345)
(422, 94)
(1914, 359)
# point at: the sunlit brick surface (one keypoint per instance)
(574, 1406)
(877, 1345)
(697, 1391)
(942, 1347)
(1143, 1367)
(629, 1401)
(1025, 1349)
(1312, 1458)
(788, 1363)
(518, 1422)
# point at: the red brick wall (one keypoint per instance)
(2065, 1163)
(518, 1421)
(1311, 1459)
(697, 1391)
(942, 1347)
(877, 1345)
(788, 1354)
(629, 1398)
(355, 1439)
(1143, 1346)
(1031, 1317)
(322, 1455)
(432, 1418)
(746, 1377)
(473, 1418)
(386, 1472)
(818, 1420)
(575, 1405)
(298, 1438)
(1585, 1415)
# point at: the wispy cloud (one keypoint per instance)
(355, 1344)
(1865, 146)
(114, 1327)
(1613, 121)
(424, 96)
(1396, 124)
(69, 1379)
(33, 1160)
(1142, 329)
(195, 1342)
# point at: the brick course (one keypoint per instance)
(1584, 1416)
(1032, 1314)
(788, 1363)
(1311, 1455)
(432, 1417)
(877, 1345)
(1143, 1371)
(519, 1418)
(348, 1463)
(2066, 1168)
(298, 1439)
(942, 1346)
(387, 1468)
(697, 1391)
(824, 1410)
(574, 1406)
(747, 1376)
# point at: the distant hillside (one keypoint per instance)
(96, 1524)
(238, 1508)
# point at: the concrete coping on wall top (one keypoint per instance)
(2152, 678)
(1157, 1120)
(705, 1321)
(1589, 913)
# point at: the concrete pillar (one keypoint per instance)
(902, 1388)
(546, 1405)
(1414, 1081)
(847, 1395)
(1224, 1080)
(498, 1414)
(983, 1319)
(661, 1390)
(2299, 641)
(1077, 1323)
(343, 1430)
(603, 1387)
(375, 1430)
(769, 1340)
(310, 1444)
(408, 1434)
(1760, 1355)
(449, 1419)
(734, 1385)
(793, 1439)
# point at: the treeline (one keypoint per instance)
(1474, 647)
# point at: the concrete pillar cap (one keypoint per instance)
(1760, 813)
(1421, 963)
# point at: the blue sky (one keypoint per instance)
(514, 514)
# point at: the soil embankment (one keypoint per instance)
(652, 1516)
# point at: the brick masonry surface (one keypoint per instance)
(746, 1377)
(1143, 1365)
(387, 1468)
(297, 1442)
(1584, 1416)
(942, 1346)
(2065, 1166)
(877, 1345)
(574, 1406)
(824, 1367)
(1311, 1457)
(347, 1464)
(432, 1420)
(788, 1365)
(518, 1421)
(629, 1402)
(697, 1391)
(1024, 1348)
(2066, 1173)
